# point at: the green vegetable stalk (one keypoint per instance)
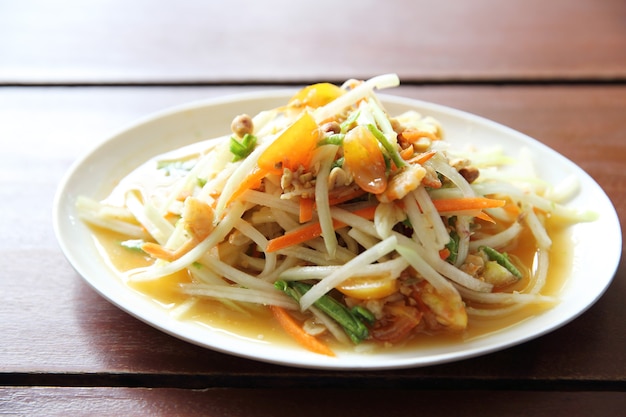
(352, 322)
(502, 259)
(453, 247)
(334, 139)
(242, 149)
(388, 146)
(347, 124)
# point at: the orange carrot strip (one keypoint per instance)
(297, 236)
(414, 134)
(444, 253)
(294, 330)
(484, 216)
(333, 200)
(423, 157)
(252, 181)
(466, 203)
(311, 231)
(306, 209)
(406, 153)
(302, 234)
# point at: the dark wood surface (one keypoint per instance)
(71, 73)
(263, 402)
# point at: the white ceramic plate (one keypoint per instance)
(98, 171)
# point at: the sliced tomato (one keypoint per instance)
(370, 287)
(294, 147)
(316, 95)
(364, 159)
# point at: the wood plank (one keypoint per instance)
(262, 402)
(55, 328)
(277, 41)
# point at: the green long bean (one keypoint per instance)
(351, 322)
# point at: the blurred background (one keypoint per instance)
(281, 41)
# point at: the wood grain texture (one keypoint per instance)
(57, 331)
(555, 70)
(193, 41)
(264, 402)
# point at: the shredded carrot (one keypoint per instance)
(484, 216)
(252, 181)
(444, 253)
(297, 236)
(294, 330)
(414, 134)
(338, 197)
(407, 153)
(159, 252)
(311, 231)
(306, 209)
(423, 157)
(466, 203)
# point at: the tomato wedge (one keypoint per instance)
(364, 159)
(316, 95)
(370, 287)
(294, 147)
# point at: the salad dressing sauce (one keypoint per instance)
(255, 323)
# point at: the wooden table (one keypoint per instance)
(72, 71)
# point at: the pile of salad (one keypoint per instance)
(349, 224)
